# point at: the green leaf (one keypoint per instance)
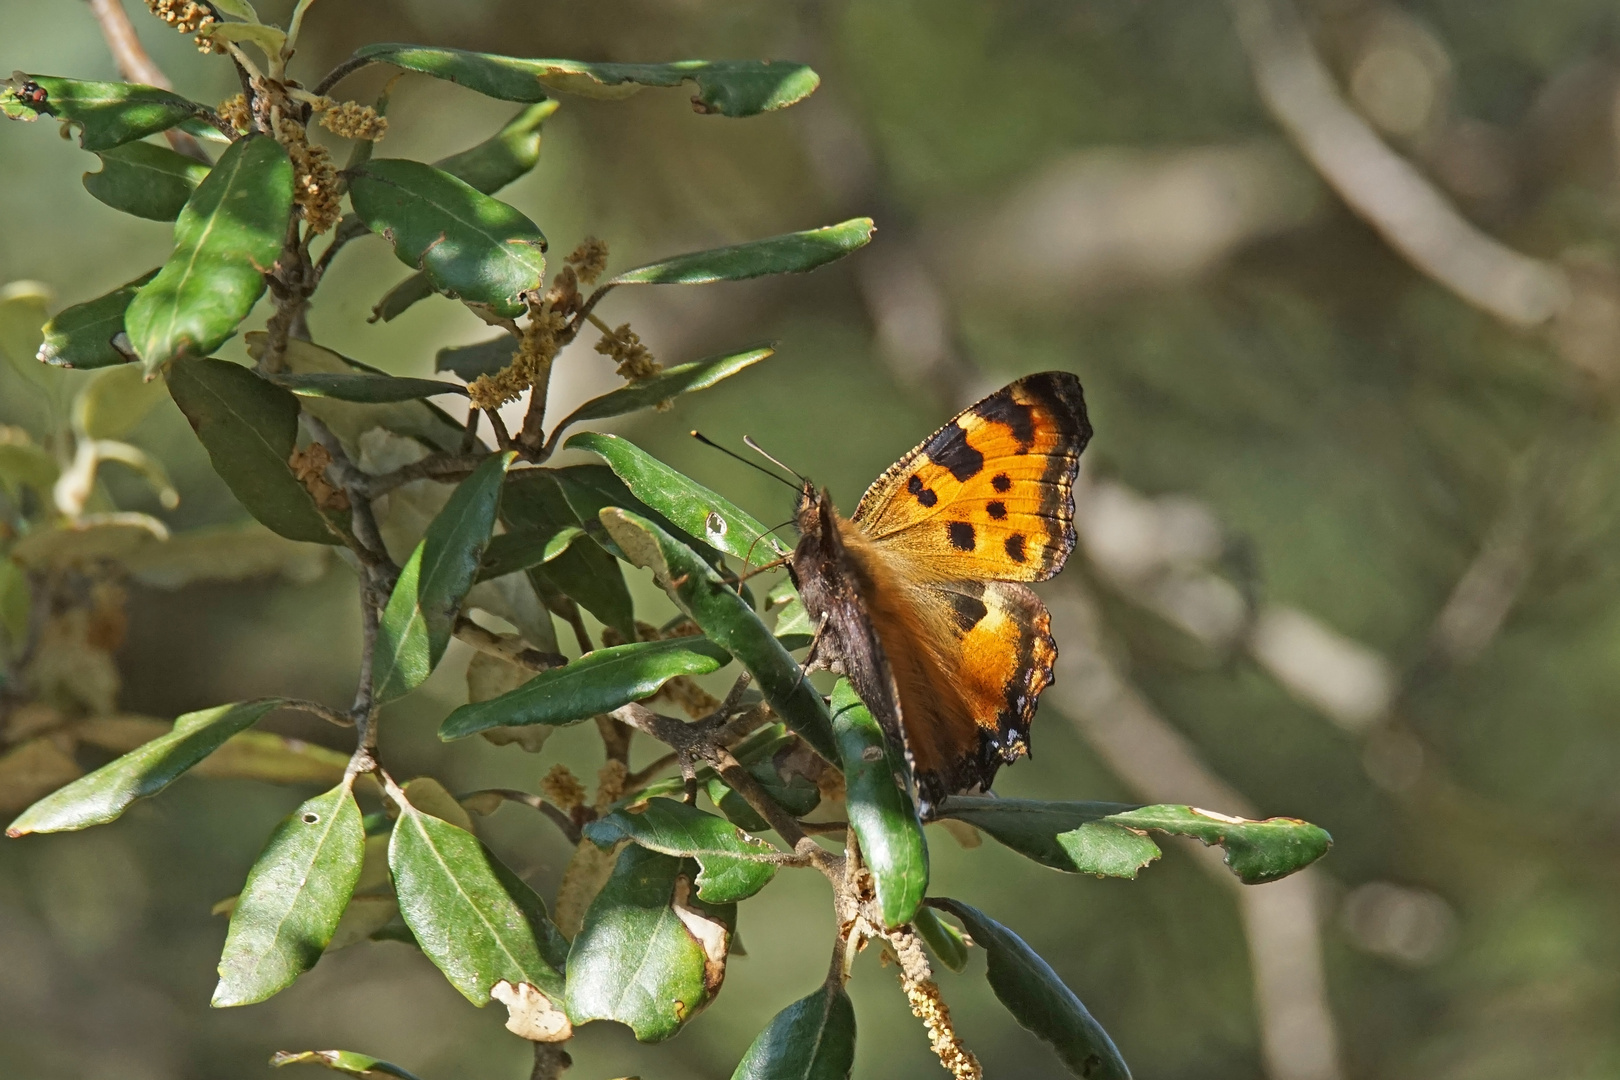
(811, 1039)
(880, 809)
(368, 389)
(346, 1061)
(472, 247)
(1256, 851)
(649, 954)
(108, 114)
(728, 87)
(511, 552)
(471, 915)
(536, 500)
(790, 253)
(645, 393)
(505, 156)
(1109, 838)
(421, 612)
(114, 401)
(728, 621)
(146, 180)
(294, 896)
(227, 236)
(471, 361)
(1037, 998)
(104, 794)
(734, 865)
(692, 508)
(797, 795)
(419, 420)
(81, 336)
(249, 428)
(597, 682)
(948, 945)
(269, 40)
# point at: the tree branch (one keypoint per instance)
(136, 65)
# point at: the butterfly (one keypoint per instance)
(919, 597)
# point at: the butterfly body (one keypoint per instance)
(919, 597)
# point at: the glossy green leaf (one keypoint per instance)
(693, 508)
(505, 156)
(511, 552)
(590, 489)
(1038, 999)
(420, 615)
(108, 114)
(294, 897)
(249, 428)
(536, 500)
(227, 236)
(650, 954)
(348, 420)
(727, 87)
(733, 865)
(472, 247)
(790, 253)
(104, 794)
(1256, 851)
(471, 916)
(729, 622)
(811, 1039)
(669, 383)
(484, 358)
(597, 682)
(948, 944)
(880, 809)
(82, 336)
(146, 180)
(345, 1061)
(497, 161)
(364, 388)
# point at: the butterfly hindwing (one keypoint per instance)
(1004, 657)
(989, 496)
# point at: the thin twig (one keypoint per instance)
(441, 466)
(556, 814)
(643, 775)
(339, 73)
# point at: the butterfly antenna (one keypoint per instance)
(706, 441)
(748, 440)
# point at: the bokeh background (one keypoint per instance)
(1348, 525)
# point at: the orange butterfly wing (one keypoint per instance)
(989, 496)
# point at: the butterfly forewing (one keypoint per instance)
(989, 496)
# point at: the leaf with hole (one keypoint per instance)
(1038, 999)
(104, 794)
(693, 508)
(880, 809)
(475, 919)
(472, 247)
(597, 682)
(249, 428)
(727, 87)
(669, 383)
(145, 180)
(294, 897)
(227, 237)
(650, 954)
(728, 621)
(733, 865)
(364, 388)
(107, 114)
(811, 1039)
(420, 615)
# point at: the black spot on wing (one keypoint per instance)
(1002, 482)
(1015, 547)
(948, 447)
(969, 610)
(996, 509)
(926, 496)
(1000, 408)
(961, 533)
